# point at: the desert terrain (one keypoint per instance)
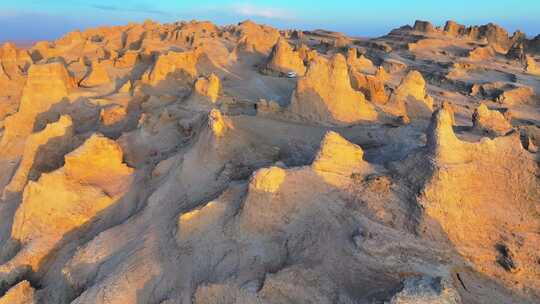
(194, 163)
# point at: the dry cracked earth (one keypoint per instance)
(192, 163)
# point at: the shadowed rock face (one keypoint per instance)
(183, 163)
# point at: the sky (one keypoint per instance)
(31, 20)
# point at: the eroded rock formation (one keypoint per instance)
(325, 94)
(173, 163)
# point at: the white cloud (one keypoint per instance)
(250, 10)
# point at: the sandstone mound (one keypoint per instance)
(515, 96)
(481, 53)
(52, 78)
(410, 97)
(360, 63)
(531, 66)
(174, 64)
(337, 157)
(325, 94)
(98, 75)
(22, 293)
(46, 86)
(92, 180)
(464, 205)
(208, 87)
(257, 38)
(128, 60)
(284, 59)
(42, 151)
(305, 53)
(490, 121)
(423, 26)
(373, 87)
(13, 63)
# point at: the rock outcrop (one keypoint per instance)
(515, 96)
(337, 157)
(481, 53)
(22, 293)
(284, 59)
(456, 206)
(208, 87)
(531, 66)
(373, 87)
(98, 75)
(325, 94)
(360, 63)
(491, 122)
(92, 180)
(256, 38)
(43, 152)
(174, 65)
(410, 97)
(46, 86)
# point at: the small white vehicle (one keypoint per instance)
(291, 75)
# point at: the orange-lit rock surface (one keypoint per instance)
(183, 163)
(284, 59)
(410, 98)
(325, 94)
(98, 75)
(490, 121)
(208, 87)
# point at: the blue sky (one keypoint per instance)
(26, 20)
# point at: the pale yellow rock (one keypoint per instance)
(46, 85)
(339, 160)
(284, 59)
(531, 66)
(490, 121)
(268, 179)
(219, 124)
(128, 60)
(58, 134)
(325, 94)
(174, 62)
(372, 86)
(410, 97)
(442, 141)
(92, 179)
(99, 74)
(515, 96)
(49, 82)
(208, 87)
(22, 293)
(482, 53)
(105, 158)
(360, 63)
(257, 38)
(473, 193)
